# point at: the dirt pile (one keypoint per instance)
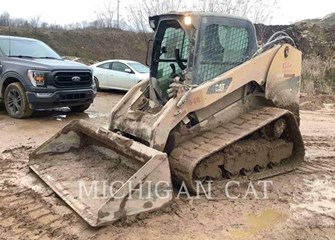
(314, 39)
(90, 44)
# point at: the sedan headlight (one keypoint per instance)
(37, 78)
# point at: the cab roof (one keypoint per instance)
(201, 14)
(197, 14)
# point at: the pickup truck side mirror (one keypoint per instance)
(127, 70)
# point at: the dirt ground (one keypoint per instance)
(300, 204)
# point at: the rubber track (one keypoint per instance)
(185, 158)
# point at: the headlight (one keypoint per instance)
(37, 78)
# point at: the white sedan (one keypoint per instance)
(119, 74)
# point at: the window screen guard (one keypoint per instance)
(221, 47)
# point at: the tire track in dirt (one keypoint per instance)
(29, 214)
(320, 155)
(314, 199)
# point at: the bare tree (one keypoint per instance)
(35, 22)
(140, 10)
(4, 19)
(263, 11)
(105, 16)
(18, 22)
(55, 26)
(256, 10)
(96, 24)
(44, 25)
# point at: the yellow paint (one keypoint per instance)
(258, 222)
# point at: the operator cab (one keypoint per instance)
(197, 47)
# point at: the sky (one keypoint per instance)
(71, 11)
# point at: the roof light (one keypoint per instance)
(187, 20)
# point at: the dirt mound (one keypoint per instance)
(329, 20)
(313, 39)
(90, 44)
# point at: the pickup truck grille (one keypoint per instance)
(71, 79)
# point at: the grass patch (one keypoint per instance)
(318, 76)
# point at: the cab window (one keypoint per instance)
(222, 48)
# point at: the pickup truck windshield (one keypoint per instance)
(13, 47)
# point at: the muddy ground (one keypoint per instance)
(300, 204)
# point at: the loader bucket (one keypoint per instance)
(102, 175)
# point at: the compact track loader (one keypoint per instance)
(215, 108)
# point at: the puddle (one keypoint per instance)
(59, 117)
(96, 114)
(255, 223)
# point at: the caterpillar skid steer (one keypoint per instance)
(216, 107)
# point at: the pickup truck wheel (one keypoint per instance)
(80, 108)
(16, 101)
(2, 106)
(96, 81)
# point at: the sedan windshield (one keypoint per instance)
(139, 67)
(29, 48)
